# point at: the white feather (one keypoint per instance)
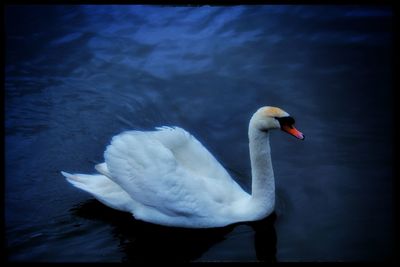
(171, 170)
(105, 190)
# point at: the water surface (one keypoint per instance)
(77, 75)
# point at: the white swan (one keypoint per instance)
(168, 177)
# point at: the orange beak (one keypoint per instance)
(293, 131)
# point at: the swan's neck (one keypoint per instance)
(263, 183)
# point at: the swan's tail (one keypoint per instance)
(102, 188)
(78, 181)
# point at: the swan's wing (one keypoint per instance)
(156, 169)
(190, 153)
(103, 169)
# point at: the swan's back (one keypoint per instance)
(172, 178)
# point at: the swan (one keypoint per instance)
(168, 177)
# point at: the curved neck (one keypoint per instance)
(263, 183)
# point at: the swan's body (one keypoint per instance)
(168, 177)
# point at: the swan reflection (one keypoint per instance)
(144, 242)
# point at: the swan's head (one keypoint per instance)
(267, 118)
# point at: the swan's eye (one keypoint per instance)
(287, 121)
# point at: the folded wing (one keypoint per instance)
(169, 171)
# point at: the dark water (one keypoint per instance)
(77, 75)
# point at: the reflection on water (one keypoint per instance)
(145, 242)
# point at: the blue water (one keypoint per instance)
(77, 75)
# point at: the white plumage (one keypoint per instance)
(168, 177)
